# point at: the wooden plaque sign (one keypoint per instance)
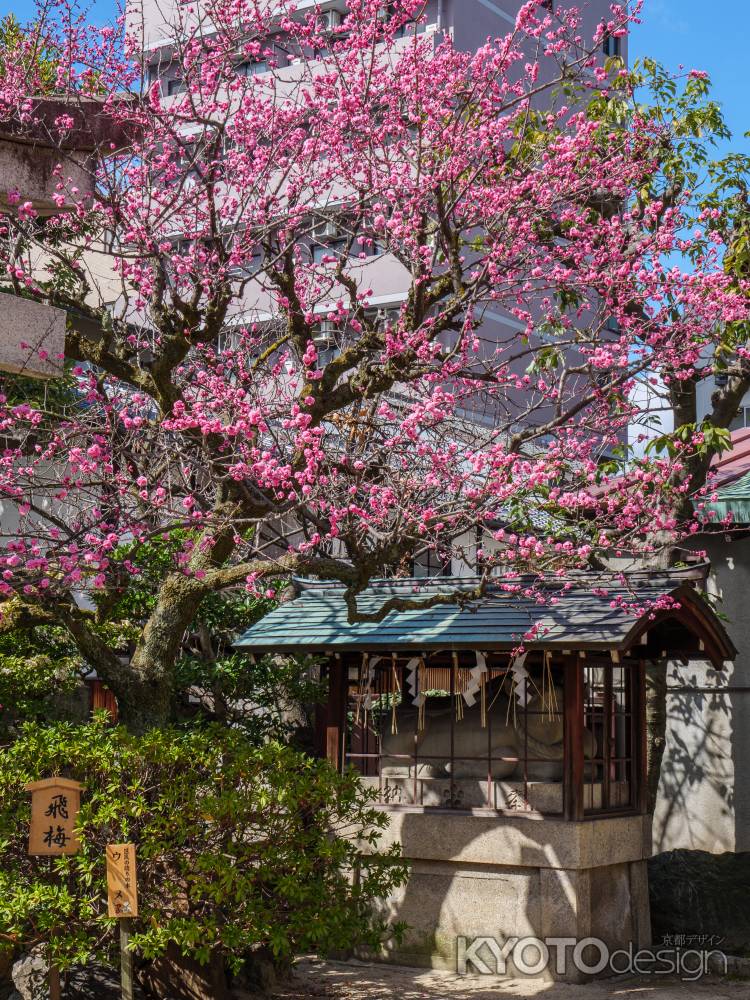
(122, 886)
(54, 809)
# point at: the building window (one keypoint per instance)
(411, 28)
(609, 718)
(611, 46)
(176, 86)
(322, 251)
(384, 317)
(431, 563)
(742, 420)
(328, 240)
(192, 159)
(330, 21)
(369, 247)
(251, 67)
(152, 75)
(249, 267)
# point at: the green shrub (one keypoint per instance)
(238, 846)
(40, 670)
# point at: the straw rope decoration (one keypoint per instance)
(421, 712)
(367, 676)
(520, 680)
(458, 694)
(396, 689)
(548, 680)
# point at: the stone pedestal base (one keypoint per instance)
(473, 793)
(504, 878)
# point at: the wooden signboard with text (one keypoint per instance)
(122, 886)
(55, 803)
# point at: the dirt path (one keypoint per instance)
(358, 981)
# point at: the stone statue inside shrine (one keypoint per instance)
(504, 733)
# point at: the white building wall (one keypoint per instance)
(704, 794)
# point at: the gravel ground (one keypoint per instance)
(359, 981)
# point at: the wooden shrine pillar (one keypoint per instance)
(640, 740)
(336, 711)
(573, 738)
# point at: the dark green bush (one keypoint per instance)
(238, 846)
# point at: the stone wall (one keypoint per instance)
(702, 897)
(39, 326)
(512, 877)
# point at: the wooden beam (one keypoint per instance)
(573, 738)
(336, 714)
(640, 739)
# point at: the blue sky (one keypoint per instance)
(703, 35)
(698, 34)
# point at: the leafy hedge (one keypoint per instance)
(238, 846)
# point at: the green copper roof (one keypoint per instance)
(581, 617)
(734, 499)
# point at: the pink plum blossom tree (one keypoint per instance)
(233, 383)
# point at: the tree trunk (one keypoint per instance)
(175, 977)
(656, 724)
(145, 688)
(143, 702)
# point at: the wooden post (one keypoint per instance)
(55, 803)
(573, 738)
(122, 899)
(336, 715)
(640, 740)
(126, 959)
(321, 722)
(609, 737)
(55, 992)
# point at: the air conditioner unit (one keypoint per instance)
(330, 20)
(326, 230)
(323, 333)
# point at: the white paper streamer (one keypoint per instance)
(367, 699)
(475, 678)
(411, 681)
(521, 677)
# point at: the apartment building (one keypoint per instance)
(468, 22)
